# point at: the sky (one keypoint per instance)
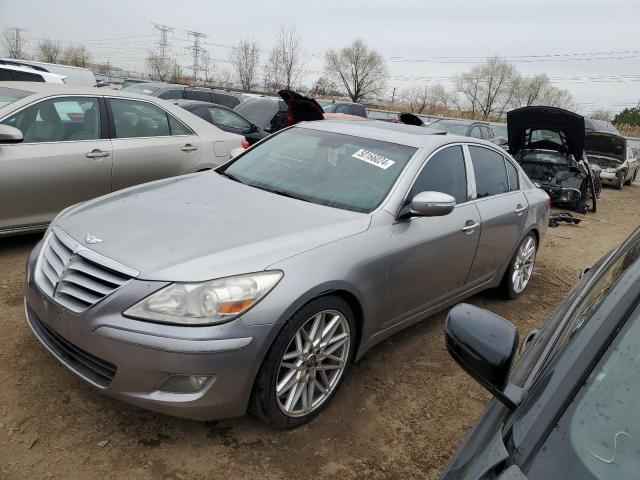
(590, 47)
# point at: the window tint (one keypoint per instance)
(225, 118)
(171, 94)
(201, 95)
(229, 101)
(58, 120)
(512, 174)
(27, 77)
(444, 172)
(138, 119)
(490, 172)
(202, 112)
(5, 75)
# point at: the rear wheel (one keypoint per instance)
(306, 364)
(632, 178)
(520, 269)
(620, 182)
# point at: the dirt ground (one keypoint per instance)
(400, 413)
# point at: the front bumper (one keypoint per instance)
(129, 359)
(609, 178)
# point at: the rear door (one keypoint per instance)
(503, 210)
(65, 158)
(149, 143)
(431, 256)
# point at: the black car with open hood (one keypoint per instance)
(548, 143)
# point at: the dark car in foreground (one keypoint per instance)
(224, 118)
(548, 143)
(257, 285)
(568, 409)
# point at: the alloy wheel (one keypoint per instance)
(313, 363)
(523, 267)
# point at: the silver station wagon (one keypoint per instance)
(256, 285)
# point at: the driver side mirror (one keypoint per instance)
(9, 134)
(484, 345)
(432, 204)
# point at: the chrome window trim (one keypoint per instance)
(505, 169)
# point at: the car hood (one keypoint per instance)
(545, 118)
(204, 226)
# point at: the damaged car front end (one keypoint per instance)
(548, 143)
(609, 152)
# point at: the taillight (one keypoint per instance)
(547, 201)
(244, 144)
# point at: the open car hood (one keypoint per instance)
(300, 108)
(570, 124)
(608, 145)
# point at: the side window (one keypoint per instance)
(444, 172)
(342, 109)
(57, 120)
(512, 174)
(357, 110)
(177, 128)
(490, 172)
(487, 133)
(27, 77)
(174, 94)
(5, 75)
(225, 118)
(133, 118)
(202, 112)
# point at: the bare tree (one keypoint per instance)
(487, 88)
(207, 67)
(426, 99)
(285, 62)
(77, 56)
(14, 43)
(528, 91)
(159, 67)
(324, 87)
(49, 51)
(225, 79)
(557, 97)
(361, 70)
(245, 57)
(602, 114)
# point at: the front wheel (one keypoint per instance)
(620, 183)
(521, 267)
(632, 178)
(306, 364)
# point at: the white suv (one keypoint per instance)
(21, 73)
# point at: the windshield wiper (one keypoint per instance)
(278, 192)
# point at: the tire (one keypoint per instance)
(620, 183)
(510, 288)
(632, 179)
(284, 411)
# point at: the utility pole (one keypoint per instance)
(196, 50)
(393, 95)
(163, 42)
(15, 42)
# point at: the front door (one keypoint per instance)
(62, 160)
(149, 143)
(431, 257)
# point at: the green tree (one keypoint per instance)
(630, 116)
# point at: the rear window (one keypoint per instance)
(10, 95)
(229, 101)
(260, 111)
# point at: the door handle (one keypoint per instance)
(470, 227)
(188, 148)
(519, 209)
(97, 153)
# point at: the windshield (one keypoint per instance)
(259, 111)
(330, 108)
(144, 88)
(500, 130)
(451, 127)
(326, 168)
(10, 95)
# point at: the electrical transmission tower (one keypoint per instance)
(15, 42)
(163, 42)
(197, 50)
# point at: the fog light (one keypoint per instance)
(185, 383)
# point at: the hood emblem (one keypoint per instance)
(91, 239)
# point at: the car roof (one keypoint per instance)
(43, 89)
(192, 103)
(400, 133)
(29, 69)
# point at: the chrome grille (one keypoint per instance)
(76, 277)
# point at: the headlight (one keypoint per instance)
(205, 303)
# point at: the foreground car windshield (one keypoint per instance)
(326, 168)
(10, 95)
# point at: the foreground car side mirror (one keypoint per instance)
(484, 345)
(432, 204)
(9, 134)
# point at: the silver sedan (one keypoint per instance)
(255, 286)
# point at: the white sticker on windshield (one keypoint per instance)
(373, 159)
